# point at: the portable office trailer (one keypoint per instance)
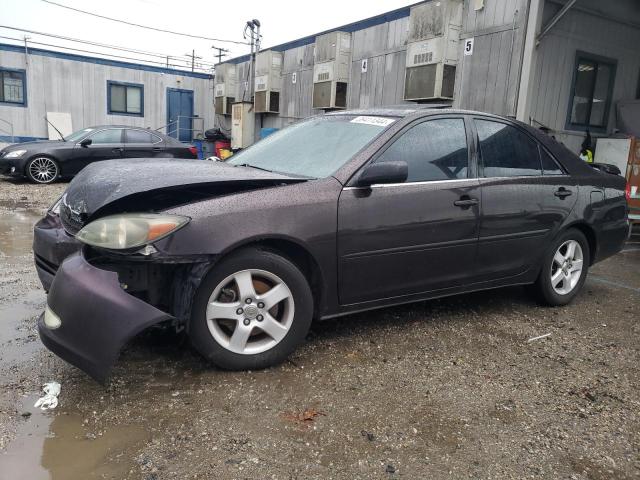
(95, 91)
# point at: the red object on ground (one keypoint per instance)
(220, 144)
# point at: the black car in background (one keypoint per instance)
(336, 214)
(46, 161)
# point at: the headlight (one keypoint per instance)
(130, 230)
(15, 154)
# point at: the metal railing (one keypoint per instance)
(175, 128)
(10, 131)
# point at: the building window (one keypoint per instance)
(593, 79)
(13, 87)
(125, 99)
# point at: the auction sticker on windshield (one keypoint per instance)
(379, 121)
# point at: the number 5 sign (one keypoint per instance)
(468, 46)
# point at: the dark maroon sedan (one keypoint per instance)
(337, 214)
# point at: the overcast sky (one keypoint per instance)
(281, 21)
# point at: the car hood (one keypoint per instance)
(37, 145)
(145, 184)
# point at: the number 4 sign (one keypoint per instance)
(468, 46)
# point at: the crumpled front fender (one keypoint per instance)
(97, 317)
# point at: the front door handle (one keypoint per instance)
(118, 150)
(156, 149)
(562, 192)
(466, 201)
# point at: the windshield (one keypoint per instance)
(314, 148)
(79, 135)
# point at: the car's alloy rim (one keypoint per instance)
(250, 311)
(43, 170)
(566, 267)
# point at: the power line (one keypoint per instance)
(144, 26)
(103, 45)
(98, 53)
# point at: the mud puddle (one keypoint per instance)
(16, 231)
(60, 445)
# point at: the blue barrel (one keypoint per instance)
(265, 132)
(198, 144)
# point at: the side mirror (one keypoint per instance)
(383, 172)
(86, 142)
(607, 168)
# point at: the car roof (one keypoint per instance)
(418, 110)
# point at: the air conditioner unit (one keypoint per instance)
(268, 82)
(432, 51)
(332, 57)
(224, 88)
(242, 125)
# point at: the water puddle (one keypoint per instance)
(56, 445)
(16, 231)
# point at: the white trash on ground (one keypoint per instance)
(50, 398)
(538, 337)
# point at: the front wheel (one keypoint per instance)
(251, 311)
(564, 268)
(42, 170)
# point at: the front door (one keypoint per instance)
(401, 239)
(525, 197)
(105, 144)
(180, 114)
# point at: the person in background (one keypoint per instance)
(586, 151)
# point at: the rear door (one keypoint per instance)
(522, 203)
(140, 143)
(106, 144)
(401, 239)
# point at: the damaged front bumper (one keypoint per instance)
(51, 245)
(97, 317)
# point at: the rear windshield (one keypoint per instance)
(313, 148)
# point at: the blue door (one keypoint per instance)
(180, 113)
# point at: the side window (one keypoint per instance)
(434, 150)
(506, 151)
(111, 135)
(549, 165)
(140, 136)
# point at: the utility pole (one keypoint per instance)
(193, 59)
(254, 28)
(222, 52)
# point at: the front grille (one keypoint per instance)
(70, 224)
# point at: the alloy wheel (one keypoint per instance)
(250, 311)
(566, 267)
(43, 170)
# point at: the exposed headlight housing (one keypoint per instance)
(55, 208)
(130, 230)
(15, 154)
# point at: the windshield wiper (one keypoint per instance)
(54, 127)
(253, 166)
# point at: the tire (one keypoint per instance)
(215, 338)
(42, 169)
(567, 279)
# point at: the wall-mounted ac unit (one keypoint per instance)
(332, 56)
(268, 82)
(432, 51)
(224, 88)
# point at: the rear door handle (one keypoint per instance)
(562, 192)
(118, 150)
(466, 202)
(156, 149)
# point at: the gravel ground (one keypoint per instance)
(450, 388)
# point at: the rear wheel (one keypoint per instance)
(42, 170)
(251, 311)
(564, 269)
